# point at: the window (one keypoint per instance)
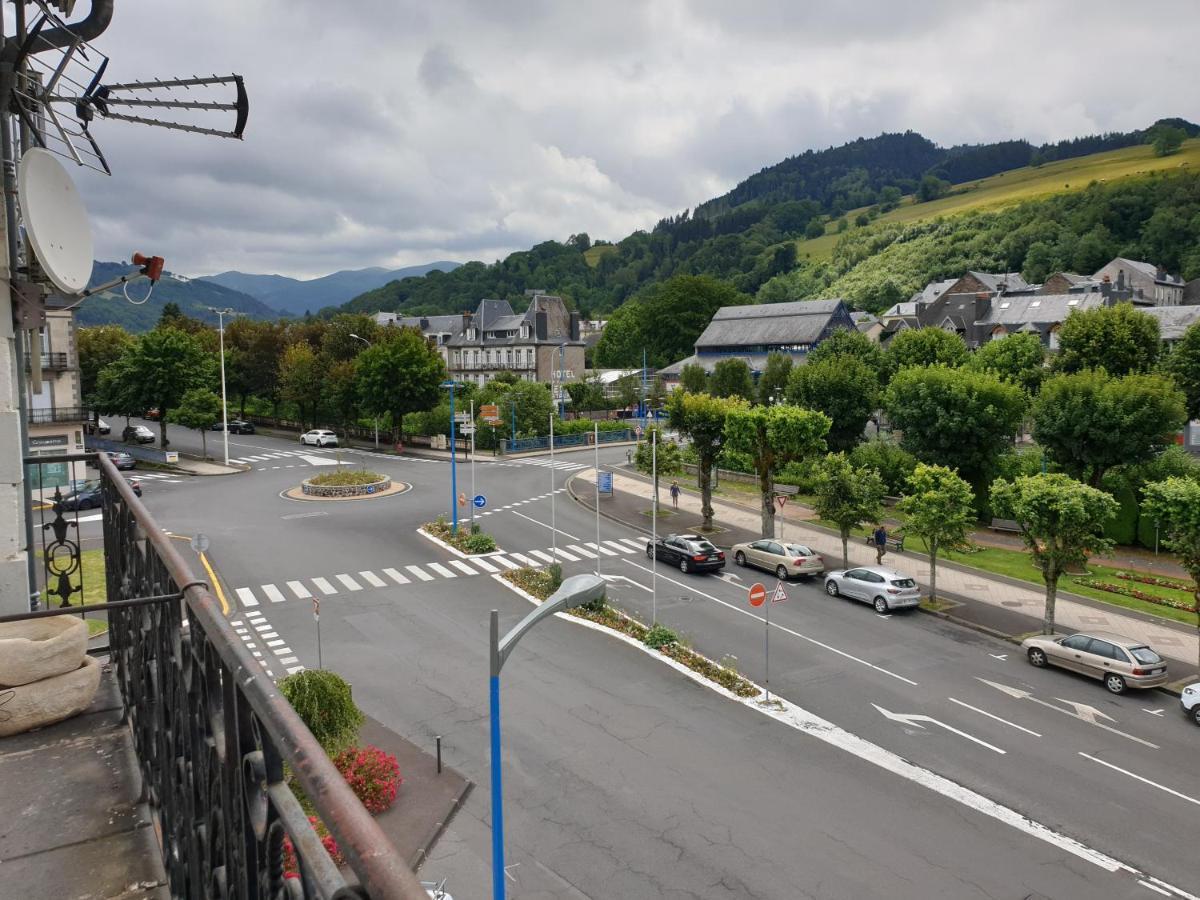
(773, 548)
(903, 583)
(800, 550)
(760, 545)
(1107, 650)
(1145, 656)
(1054, 338)
(1077, 642)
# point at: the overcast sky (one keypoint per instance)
(401, 132)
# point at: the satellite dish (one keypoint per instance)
(56, 221)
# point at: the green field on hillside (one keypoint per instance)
(1018, 185)
(592, 254)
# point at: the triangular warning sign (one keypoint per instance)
(780, 594)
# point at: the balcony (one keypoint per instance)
(172, 782)
(53, 361)
(57, 414)
(472, 366)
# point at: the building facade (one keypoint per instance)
(56, 414)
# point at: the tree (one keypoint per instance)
(931, 188)
(160, 368)
(701, 419)
(851, 342)
(98, 347)
(253, 351)
(773, 381)
(1118, 339)
(939, 509)
(337, 345)
(199, 408)
(1166, 139)
(174, 317)
(669, 457)
(693, 378)
(341, 392)
(530, 401)
(586, 395)
(301, 379)
(1017, 358)
(773, 436)
(1175, 504)
(814, 229)
(1184, 365)
(926, 347)
(629, 391)
(1062, 523)
(955, 417)
(732, 378)
(847, 496)
(844, 389)
(400, 374)
(1089, 422)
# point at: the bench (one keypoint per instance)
(895, 543)
(1005, 525)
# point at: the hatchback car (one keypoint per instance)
(319, 437)
(1189, 699)
(138, 433)
(884, 588)
(690, 552)
(241, 426)
(121, 459)
(1117, 661)
(784, 559)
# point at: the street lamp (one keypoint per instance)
(453, 463)
(221, 314)
(368, 343)
(574, 591)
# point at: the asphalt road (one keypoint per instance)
(626, 779)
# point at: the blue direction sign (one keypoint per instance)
(480, 501)
(606, 483)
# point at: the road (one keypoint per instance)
(626, 779)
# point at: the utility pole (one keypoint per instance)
(221, 314)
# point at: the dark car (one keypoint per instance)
(121, 459)
(241, 426)
(89, 496)
(138, 433)
(690, 552)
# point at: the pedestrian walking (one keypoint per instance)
(675, 494)
(880, 538)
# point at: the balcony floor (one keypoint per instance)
(70, 823)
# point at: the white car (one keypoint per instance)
(319, 437)
(1189, 699)
(884, 588)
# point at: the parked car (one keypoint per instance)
(690, 552)
(784, 559)
(136, 485)
(319, 437)
(152, 414)
(884, 588)
(121, 459)
(1117, 661)
(88, 496)
(97, 427)
(1189, 699)
(241, 426)
(138, 433)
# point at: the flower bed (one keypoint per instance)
(291, 865)
(1134, 592)
(345, 483)
(1141, 578)
(540, 584)
(345, 477)
(372, 774)
(479, 542)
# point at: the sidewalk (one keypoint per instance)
(991, 603)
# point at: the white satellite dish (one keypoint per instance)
(55, 220)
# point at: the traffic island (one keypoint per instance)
(346, 485)
(461, 542)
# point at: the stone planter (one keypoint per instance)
(345, 490)
(49, 700)
(40, 648)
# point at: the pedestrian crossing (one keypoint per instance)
(479, 514)
(267, 456)
(161, 477)
(561, 464)
(341, 583)
(265, 644)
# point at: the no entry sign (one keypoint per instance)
(758, 595)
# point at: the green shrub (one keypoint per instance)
(479, 543)
(1122, 528)
(1146, 531)
(660, 636)
(802, 474)
(554, 572)
(597, 605)
(345, 477)
(322, 700)
(892, 461)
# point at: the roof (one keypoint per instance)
(1038, 308)
(794, 322)
(1173, 321)
(452, 324)
(907, 308)
(489, 311)
(929, 293)
(1148, 269)
(756, 361)
(1009, 281)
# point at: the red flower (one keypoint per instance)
(372, 774)
(291, 865)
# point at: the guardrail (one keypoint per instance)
(54, 360)
(212, 734)
(582, 439)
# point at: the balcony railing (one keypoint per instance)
(211, 731)
(55, 360)
(58, 414)
(481, 366)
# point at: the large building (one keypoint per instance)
(55, 406)
(752, 333)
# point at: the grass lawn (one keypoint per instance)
(94, 588)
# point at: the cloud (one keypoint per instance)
(389, 133)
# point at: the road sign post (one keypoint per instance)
(479, 501)
(781, 502)
(317, 619)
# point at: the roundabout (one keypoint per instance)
(346, 486)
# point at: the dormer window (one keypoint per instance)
(471, 333)
(524, 331)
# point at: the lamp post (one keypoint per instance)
(221, 314)
(574, 591)
(368, 343)
(453, 464)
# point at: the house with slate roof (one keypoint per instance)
(1151, 285)
(752, 333)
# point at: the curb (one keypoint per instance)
(460, 554)
(422, 853)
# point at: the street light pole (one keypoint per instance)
(453, 464)
(368, 343)
(574, 591)
(221, 314)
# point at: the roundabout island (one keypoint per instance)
(346, 485)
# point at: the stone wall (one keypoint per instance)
(345, 490)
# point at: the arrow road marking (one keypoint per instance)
(916, 720)
(984, 712)
(1089, 714)
(628, 580)
(1025, 695)
(729, 577)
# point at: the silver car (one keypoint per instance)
(1119, 662)
(319, 437)
(884, 588)
(784, 559)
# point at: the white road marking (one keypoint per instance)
(269, 634)
(1153, 887)
(582, 551)
(1000, 656)
(1153, 712)
(463, 567)
(484, 564)
(247, 597)
(282, 650)
(620, 547)
(525, 560)
(441, 570)
(565, 555)
(373, 579)
(1136, 777)
(601, 548)
(507, 563)
(636, 545)
(914, 719)
(546, 557)
(294, 669)
(544, 525)
(1088, 713)
(420, 573)
(278, 643)
(984, 712)
(324, 586)
(319, 460)
(265, 626)
(1025, 695)
(395, 576)
(348, 582)
(287, 661)
(297, 588)
(803, 637)
(274, 594)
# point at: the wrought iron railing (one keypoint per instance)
(56, 360)
(58, 414)
(211, 732)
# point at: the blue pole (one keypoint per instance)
(497, 793)
(453, 469)
(512, 405)
(643, 401)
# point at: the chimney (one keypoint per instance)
(466, 322)
(424, 324)
(1120, 279)
(541, 325)
(1160, 273)
(574, 326)
(1106, 289)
